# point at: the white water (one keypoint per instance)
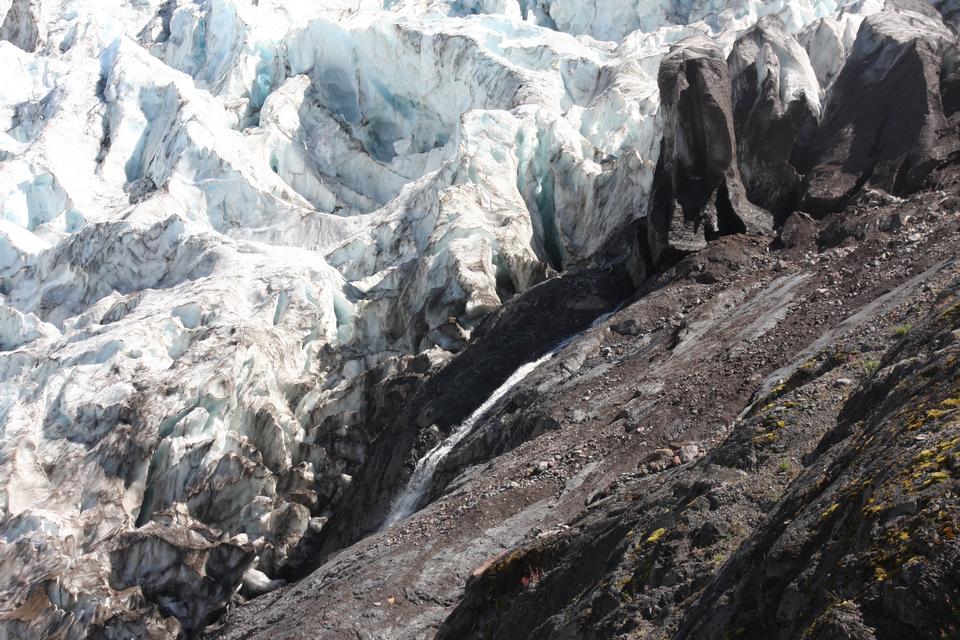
(406, 503)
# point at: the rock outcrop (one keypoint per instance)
(826, 509)
(775, 95)
(884, 122)
(864, 545)
(698, 194)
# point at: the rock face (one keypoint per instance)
(699, 195)
(775, 95)
(884, 122)
(873, 509)
(826, 508)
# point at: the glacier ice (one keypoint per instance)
(217, 215)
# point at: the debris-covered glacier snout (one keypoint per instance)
(776, 96)
(885, 122)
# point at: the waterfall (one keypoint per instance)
(419, 483)
(406, 503)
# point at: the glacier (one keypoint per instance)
(217, 217)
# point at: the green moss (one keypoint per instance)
(902, 330)
(764, 438)
(656, 535)
(937, 476)
(830, 511)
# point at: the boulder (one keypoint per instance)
(775, 96)
(884, 123)
(698, 193)
(798, 231)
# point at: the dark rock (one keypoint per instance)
(863, 544)
(843, 230)
(714, 264)
(709, 534)
(950, 10)
(800, 230)
(698, 193)
(769, 112)
(628, 327)
(521, 331)
(884, 123)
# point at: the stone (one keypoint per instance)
(884, 124)
(698, 193)
(688, 452)
(775, 96)
(799, 230)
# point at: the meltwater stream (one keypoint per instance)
(419, 483)
(406, 502)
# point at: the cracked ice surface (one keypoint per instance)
(216, 216)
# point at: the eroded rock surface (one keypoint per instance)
(699, 195)
(884, 122)
(826, 508)
(776, 95)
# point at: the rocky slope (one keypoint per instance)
(663, 292)
(603, 496)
